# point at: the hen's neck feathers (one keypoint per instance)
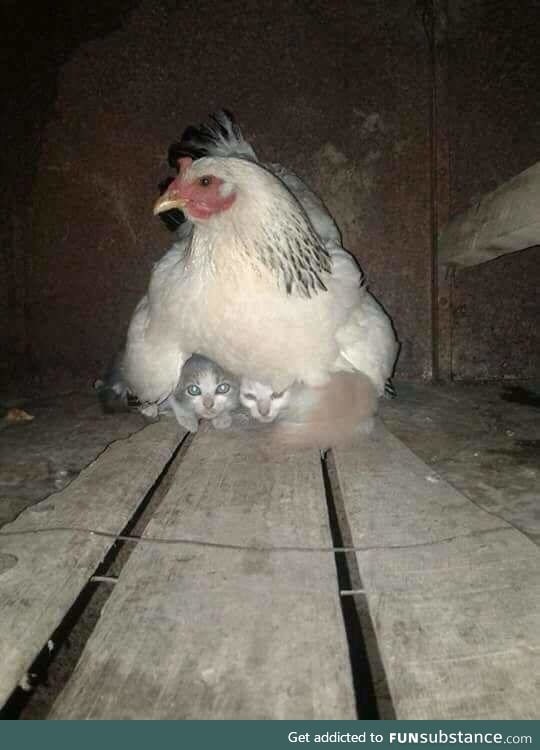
(266, 227)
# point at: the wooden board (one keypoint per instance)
(453, 591)
(42, 574)
(200, 632)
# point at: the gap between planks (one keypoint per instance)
(39, 590)
(452, 591)
(215, 632)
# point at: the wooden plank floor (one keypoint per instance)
(217, 632)
(453, 591)
(41, 575)
(248, 623)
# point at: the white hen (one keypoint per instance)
(258, 280)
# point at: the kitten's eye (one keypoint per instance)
(249, 396)
(277, 395)
(223, 388)
(193, 390)
(205, 181)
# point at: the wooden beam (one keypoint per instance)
(452, 590)
(501, 222)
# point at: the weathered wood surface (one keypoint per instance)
(453, 592)
(199, 632)
(42, 574)
(504, 221)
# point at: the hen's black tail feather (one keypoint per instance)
(221, 136)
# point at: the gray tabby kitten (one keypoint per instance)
(205, 391)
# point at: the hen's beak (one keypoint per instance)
(169, 199)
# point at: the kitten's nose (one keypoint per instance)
(264, 408)
(208, 402)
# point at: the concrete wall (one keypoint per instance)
(36, 40)
(494, 135)
(339, 91)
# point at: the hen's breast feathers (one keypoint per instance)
(238, 315)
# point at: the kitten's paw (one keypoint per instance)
(222, 422)
(185, 420)
(150, 411)
(189, 423)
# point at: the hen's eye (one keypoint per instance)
(193, 390)
(249, 396)
(223, 388)
(205, 181)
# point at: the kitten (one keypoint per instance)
(307, 417)
(328, 416)
(205, 391)
(261, 401)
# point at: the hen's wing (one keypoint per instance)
(153, 357)
(317, 212)
(367, 341)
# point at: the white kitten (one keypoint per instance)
(307, 417)
(262, 402)
(205, 391)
